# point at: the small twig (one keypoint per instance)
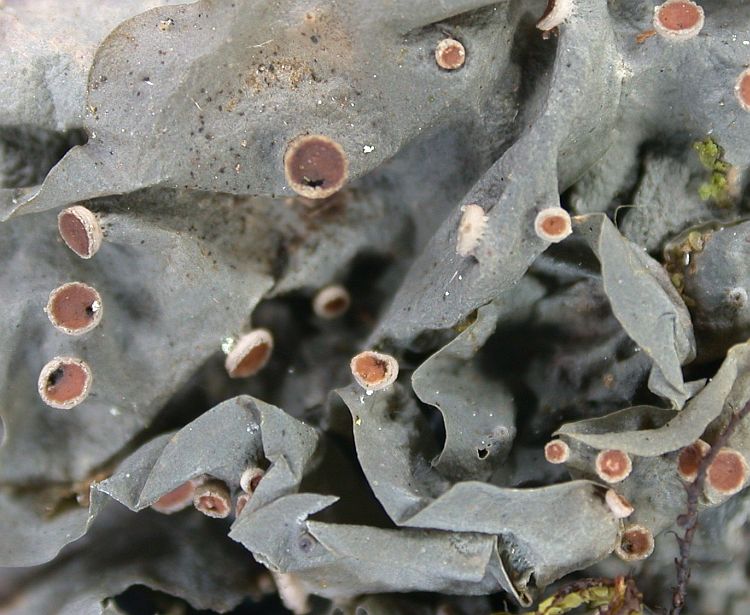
(689, 519)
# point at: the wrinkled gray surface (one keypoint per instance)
(573, 355)
(521, 517)
(590, 118)
(45, 61)
(717, 586)
(716, 282)
(191, 95)
(323, 238)
(478, 413)
(646, 303)
(728, 389)
(413, 494)
(653, 217)
(608, 181)
(156, 329)
(657, 99)
(334, 559)
(239, 433)
(395, 449)
(30, 534)
(220, 443)
(653, 488)
(184, 555)
(524, 180)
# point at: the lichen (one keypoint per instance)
(439, 284)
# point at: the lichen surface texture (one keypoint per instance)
(374, 307)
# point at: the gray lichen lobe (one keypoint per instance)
(181, 128)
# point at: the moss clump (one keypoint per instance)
(711, 156)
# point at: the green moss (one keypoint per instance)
(715, 189)
(711, 156)
(709, 152)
